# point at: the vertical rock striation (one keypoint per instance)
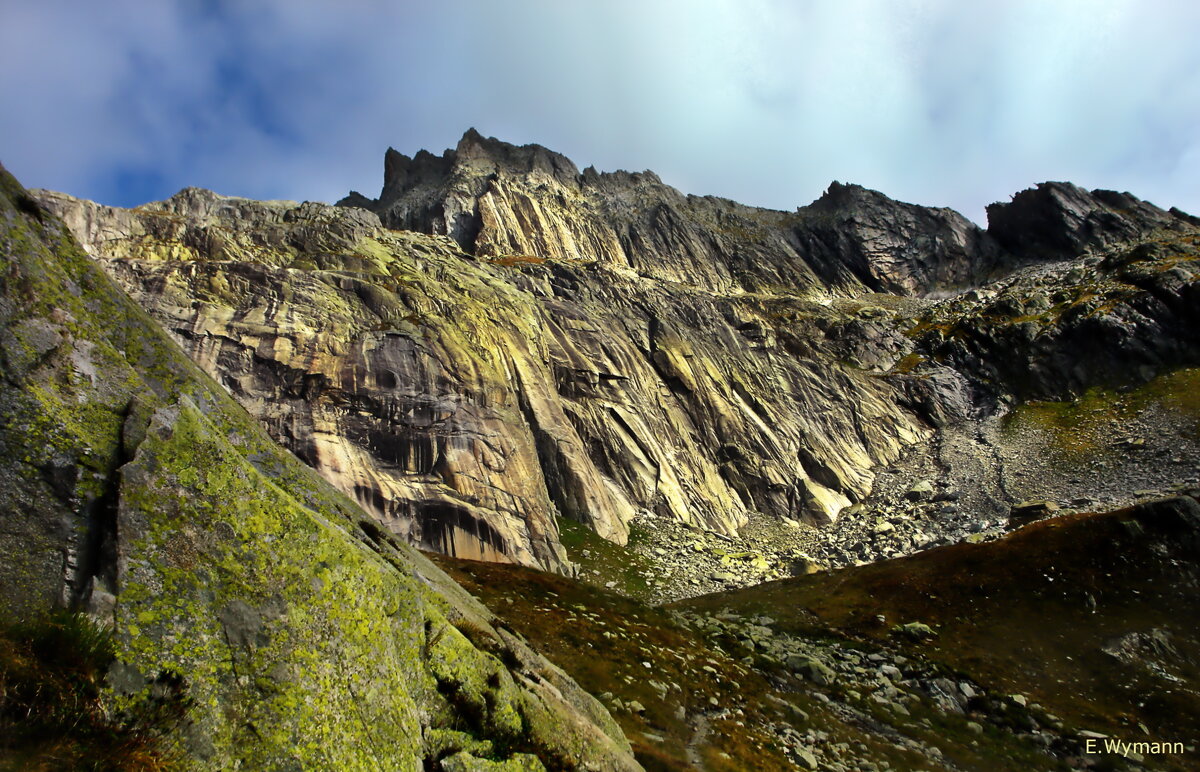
(500, 340)
(467, 402)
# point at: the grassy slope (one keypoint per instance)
(602, 640)
(1016, 615)
(1081, 430)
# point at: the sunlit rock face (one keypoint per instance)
(468, 400)
(500, 340)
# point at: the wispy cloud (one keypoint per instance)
(764, 101)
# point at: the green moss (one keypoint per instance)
(1083, 428)
(465, 762)
(275, 616)
(477, 683)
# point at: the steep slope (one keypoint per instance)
(466, 402)
(299, 633)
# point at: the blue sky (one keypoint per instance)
(765, 101)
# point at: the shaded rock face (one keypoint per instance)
(301, 634)
(1116, 318)
(1058, 220)
(467, 403)
(496, 199)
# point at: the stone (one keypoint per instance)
(811, 668)
(1029, 511)
(518, 762)
(917, 631)
(921, 491)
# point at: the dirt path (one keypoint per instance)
(699, 734)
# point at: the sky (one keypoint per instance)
(936, 102)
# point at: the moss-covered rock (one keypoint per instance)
(465, 762)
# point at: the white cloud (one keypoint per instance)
(765, 101)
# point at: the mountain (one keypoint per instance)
(502, 358)
(494, 199)
(539, 342)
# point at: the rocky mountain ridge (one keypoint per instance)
(496, 199)
(597, 345)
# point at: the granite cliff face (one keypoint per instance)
(499, 339)
(465, 401)
(298, 632)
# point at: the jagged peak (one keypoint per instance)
(475, 149)
(846, 197)
(841, 192)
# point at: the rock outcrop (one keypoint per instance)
(300, 633)
(1118, 316)
(1058, 220)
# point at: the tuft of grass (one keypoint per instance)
(53, 709)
